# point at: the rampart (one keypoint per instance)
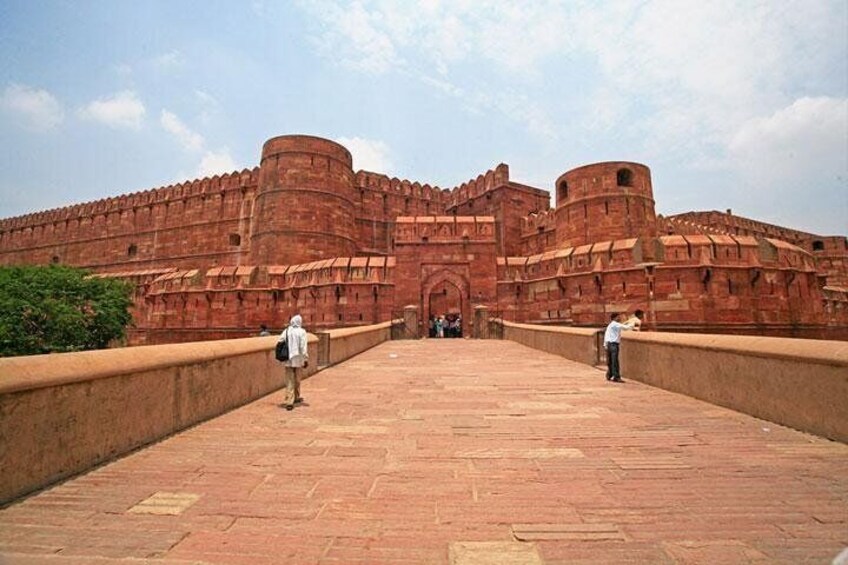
(734, 284)
(200, 222)
(62, 414)
(831, 252)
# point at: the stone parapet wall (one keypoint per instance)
(345, 343)
(798, 383)
(64, 413)
(576, 344)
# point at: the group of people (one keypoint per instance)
(447, 325)
(612, 340)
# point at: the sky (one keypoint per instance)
(733, 105)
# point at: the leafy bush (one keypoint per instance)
(58, 308)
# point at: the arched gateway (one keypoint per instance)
(442, 262)
(445, 293)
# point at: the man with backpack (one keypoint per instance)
(296, 359)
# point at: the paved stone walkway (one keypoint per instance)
(454, 451)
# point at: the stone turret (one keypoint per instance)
(305, 203)
(603, 202)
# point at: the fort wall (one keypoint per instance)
(697, 283)
(831, 252)
(199, 223)
(302, 233)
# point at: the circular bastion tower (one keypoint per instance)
(304, 207)
(604, 202)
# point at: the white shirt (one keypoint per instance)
(613, 333)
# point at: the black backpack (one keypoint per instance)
(282, 351)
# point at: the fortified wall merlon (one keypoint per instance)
(304, 232)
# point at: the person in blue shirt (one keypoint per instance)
(612, 339)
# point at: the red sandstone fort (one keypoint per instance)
(304, 233)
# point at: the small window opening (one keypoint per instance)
(132, 250)
(563, 191)
(55, 259)
(818, 245)
(235, 240)
(624, 177)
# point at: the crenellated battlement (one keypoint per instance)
(333, 271)
(738, 225)
(216, 184)
(541, 221)
(672, 251)
(402, 187)
(680, 225)
(476, 187)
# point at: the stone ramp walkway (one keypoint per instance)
(453, 451)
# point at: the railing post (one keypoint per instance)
(410, 320)
(323, 348)
(481, 322)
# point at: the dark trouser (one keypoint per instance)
(612, 361)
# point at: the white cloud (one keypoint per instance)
(804, 144)
(368, 154)
(364, 45)
(170, 60)
(35, 109)
(211, 162)
(208, 105)
(121, 110)
(216, 163)
(674, 73)
(190, 140)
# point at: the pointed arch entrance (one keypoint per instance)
(446, 293)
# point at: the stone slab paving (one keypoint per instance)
(453, 451)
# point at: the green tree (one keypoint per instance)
(58, 309)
